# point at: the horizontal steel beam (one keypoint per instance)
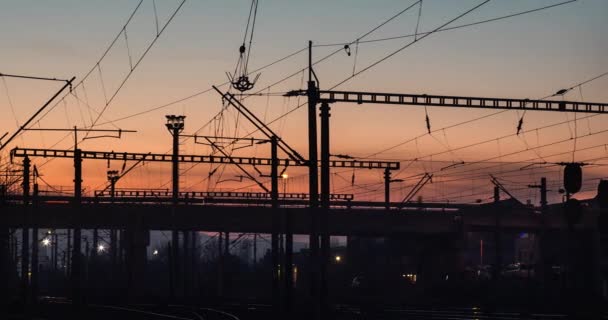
(253, 202)
(130, 156)
(213, 194)
(457, 101)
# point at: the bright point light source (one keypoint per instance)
(284, 176)
(46, 242)
(155, 252)
(338, 258)
(101, 248)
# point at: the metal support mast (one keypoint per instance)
(76, 276)
(25, 234)
(175, 125)
(313, 185)
(274, 238)
(325, 191)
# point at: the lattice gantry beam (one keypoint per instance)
(457, 101)
(130, 156)
(214, 194)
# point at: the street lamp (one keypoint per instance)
(46, 242)
(338, 258)
(101, 248)
(284, 176)
(175, 123)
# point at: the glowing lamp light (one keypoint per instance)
(338, 258)
(155, 252)
(46, 242)
(284, 176)
(101, 248)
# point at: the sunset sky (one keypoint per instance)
(528, 56)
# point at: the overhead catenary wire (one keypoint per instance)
(413, 35)
(334, 45)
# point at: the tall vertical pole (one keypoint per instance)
(185, 261)
(35, 247)
(387, 188)
(226, 275)
(55, 249)
(325, 191)
(114, 247)
(68, 251)
(194, 262)
(220, 266)
(175, 125)
(5, 256)
(288, 278)
(25, 240)
(543, 193)
(75, 260)
(95, 245)
(497, 236)
(543, 267)
(175, 194)
(76, 276)
(274, 237)
(313, 189)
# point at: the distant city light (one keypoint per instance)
(411, 277)
(46, 242)
(284, 176)
(101, 248)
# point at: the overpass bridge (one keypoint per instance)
(345, 218)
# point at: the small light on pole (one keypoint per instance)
(46, 242)
(338, 258)
(101, 248)
(284, 176)
(155, 252)
(175, 123)
(112, 175)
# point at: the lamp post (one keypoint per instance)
(113, 176)
(175, 125)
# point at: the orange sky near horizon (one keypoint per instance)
(529, 56)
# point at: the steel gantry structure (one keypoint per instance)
(79, 155)
(157, 157)
(326, 97)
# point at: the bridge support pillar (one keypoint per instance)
(137, 241)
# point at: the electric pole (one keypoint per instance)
(175, 125)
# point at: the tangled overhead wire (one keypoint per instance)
(240, 79)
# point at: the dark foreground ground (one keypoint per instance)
(60, 309)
